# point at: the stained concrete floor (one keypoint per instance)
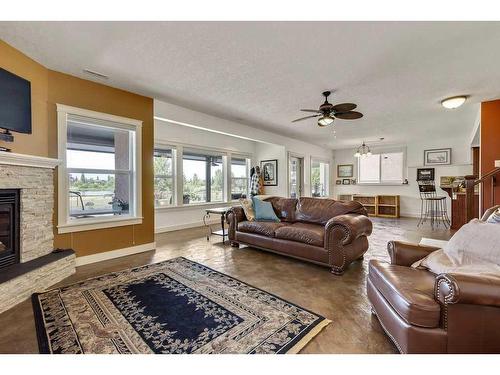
(341, 299)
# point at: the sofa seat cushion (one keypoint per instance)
(311, 234)
(409, 291)
(264, 228)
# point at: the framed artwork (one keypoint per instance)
(269, 170)
(438, 156)
(346, 181)
(353, 182)
(338, 182)
(425, 174)
(345, 170)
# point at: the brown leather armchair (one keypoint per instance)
(322, 231)
(426, 313)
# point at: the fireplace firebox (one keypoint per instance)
(9, 227)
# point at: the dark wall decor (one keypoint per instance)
(425, 174)
(269, 170)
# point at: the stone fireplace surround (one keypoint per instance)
(39, 267)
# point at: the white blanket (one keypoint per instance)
(474, 249)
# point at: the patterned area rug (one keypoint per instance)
(176, 306)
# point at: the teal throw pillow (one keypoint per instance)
(264, 211)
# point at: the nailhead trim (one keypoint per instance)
(447, 298)
(340, 248)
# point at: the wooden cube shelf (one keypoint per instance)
(379, 205)
(368, 201)
(388, 206)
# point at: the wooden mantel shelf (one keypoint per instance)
(12, 158)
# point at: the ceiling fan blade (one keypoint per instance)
(351, 115)
(344, 107)
(311, 110)
(305, 118)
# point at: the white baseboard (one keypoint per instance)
(196, 224)
(99, 257)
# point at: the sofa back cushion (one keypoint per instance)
(284, 208)
(320, 210)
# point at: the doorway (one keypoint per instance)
(295, 176)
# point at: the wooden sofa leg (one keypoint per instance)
(235, 244)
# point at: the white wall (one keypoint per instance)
(193, 128)
(410, 199)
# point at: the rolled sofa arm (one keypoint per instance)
(234, 216)
(350, 226)
(467, 289)
(346, 240)
(405, 254)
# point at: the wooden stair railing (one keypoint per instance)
(470, 183)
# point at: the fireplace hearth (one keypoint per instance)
(9, 227)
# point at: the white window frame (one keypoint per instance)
(248, 160)
(204, 152)
(379, 152)
(163, 146)
(329, 170)
(178, 171)
(64, 224)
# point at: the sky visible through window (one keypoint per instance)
(90, 159)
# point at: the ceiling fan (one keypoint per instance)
(327, 112)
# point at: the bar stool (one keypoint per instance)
(432, 206)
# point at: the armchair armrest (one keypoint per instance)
(405, 254)
(351, 226)
(467, 289)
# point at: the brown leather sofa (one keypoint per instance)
(426, 313)
(323, 231)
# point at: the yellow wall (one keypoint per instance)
(48, 88)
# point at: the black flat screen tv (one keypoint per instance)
(15, 103)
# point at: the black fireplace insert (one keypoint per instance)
(9, 227)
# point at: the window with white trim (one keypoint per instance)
(381, 168)
(320, 177)
(98, 180)
(239, 177)
(164, 183)
(203, 177)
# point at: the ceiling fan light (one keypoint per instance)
(369, 153)
(325, 120)
(454, 102)
(357, 154)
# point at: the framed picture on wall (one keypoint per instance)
(346, 181)
(345, 170)
(338, 182)
(438, 156)
(269, 170)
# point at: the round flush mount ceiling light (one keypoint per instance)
(325, 120)
(454, 102)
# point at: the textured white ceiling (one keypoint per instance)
(261, 73)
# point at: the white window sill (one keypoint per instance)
(378, 184)
(81, 225)
(197, 206)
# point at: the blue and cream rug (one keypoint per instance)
(176, 306)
